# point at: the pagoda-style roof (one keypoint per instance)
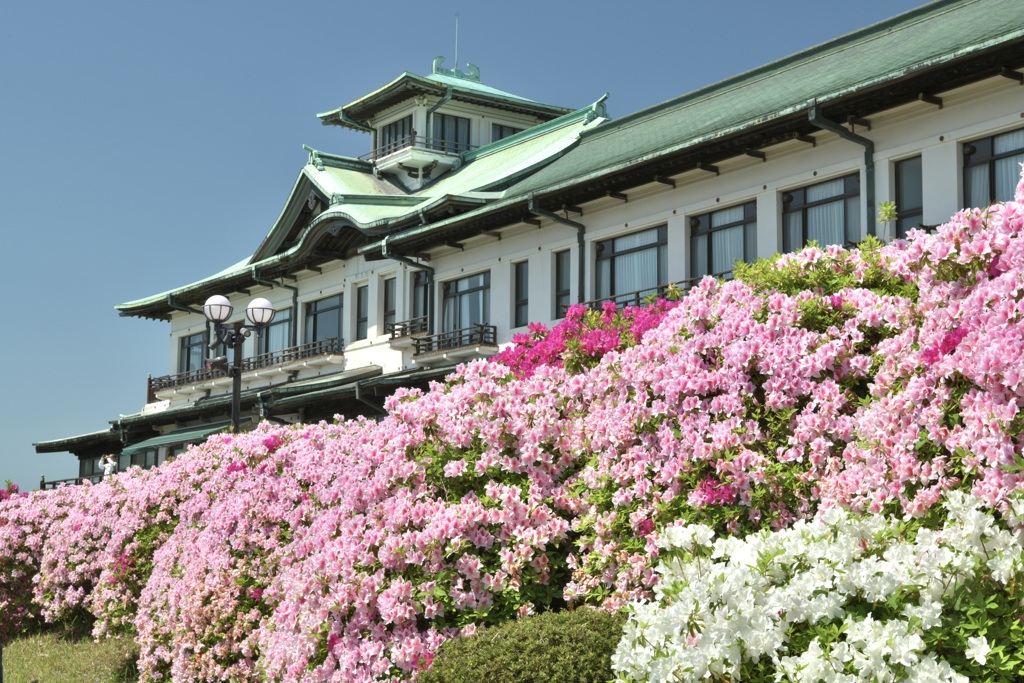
(337, 204)
(463, 86)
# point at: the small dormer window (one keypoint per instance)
(395, 136)
(451, 133)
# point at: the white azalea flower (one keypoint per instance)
(978, 649)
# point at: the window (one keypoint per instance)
(451, 133)
(278, 334)
(390, 302)
(395, 136)
(992, 168)
(827, 213)
(632, 263)
(563, 286)
(499, 132)
(720, 238)
(362, 311)
(466, 302)
(323, 319)
(909, 195)
(192, 354)
(522, 289)
(420, 295)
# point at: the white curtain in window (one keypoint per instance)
(636, 271)
(833, 188)
(699, 256)
(825, 223)
(604, 278)
(976, 185)
(793, 231)
(726, 247)
(1007, 176)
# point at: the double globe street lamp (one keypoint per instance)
(217, 310)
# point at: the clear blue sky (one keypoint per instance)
(146, 145)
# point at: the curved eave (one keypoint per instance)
(71, 444)
(356, 114)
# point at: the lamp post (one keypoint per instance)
(217, 310)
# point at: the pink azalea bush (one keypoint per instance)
(870, 380)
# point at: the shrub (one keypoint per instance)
(555, 647)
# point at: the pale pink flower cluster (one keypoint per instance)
(351, 551)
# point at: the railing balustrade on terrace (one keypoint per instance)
(450, 147)
(475, 335)
(407, 328)
(323, 347)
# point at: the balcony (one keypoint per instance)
(403, 334)
(417, 155)
(477, 341)
(323, 352)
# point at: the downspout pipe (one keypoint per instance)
(294, 331)
(430, 112)
(359, 397)
(387, 253)
(815, 117)
(536, 210)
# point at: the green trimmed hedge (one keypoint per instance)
(554, 647)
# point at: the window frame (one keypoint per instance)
(660, 246)
(904, 212)
(982, 152)
(703, 224)
(188, 342)
(795, 200)
(282, 318)
(312, 310)
(390, 300)
(394, 134)
(454, 145)
(499, 131)
(362, 312)
(563, 272)
(521, 293)
(451, 295)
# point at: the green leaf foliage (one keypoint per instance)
(554, 647)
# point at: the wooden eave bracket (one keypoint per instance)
(617, 195)
(578, 210)
(665, 181)
(1012, 74)
(809, 139)
(930, 99)
(455, 245)
(857, 121)
(710, 168)
(491, 233)
(757, 154)
(530, 221)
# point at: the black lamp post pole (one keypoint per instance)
(236, 380)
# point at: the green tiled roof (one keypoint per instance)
(884, 53)
(366, 202)
(873, 68)
(462, 87)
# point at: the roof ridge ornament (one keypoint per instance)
(472, 72)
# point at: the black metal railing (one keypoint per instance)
(323, 347)
(477, 335)
(73, 481)
(643, 297)
(452, 147)
(407, 328)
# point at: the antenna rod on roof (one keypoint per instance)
(456, 40)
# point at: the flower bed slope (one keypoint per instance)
(872, 380)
